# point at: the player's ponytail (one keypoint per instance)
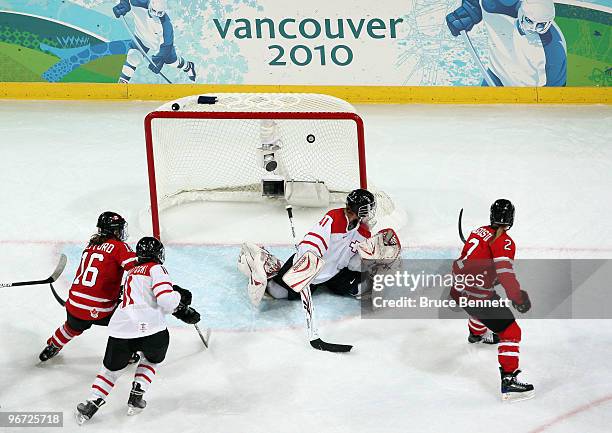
(99, 239)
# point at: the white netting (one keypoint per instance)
(221, 159)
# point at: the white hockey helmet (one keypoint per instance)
(157, 8)
(536, 16)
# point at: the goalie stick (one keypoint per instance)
(308, 305)
(61, 265)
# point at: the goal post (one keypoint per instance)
(254, 147)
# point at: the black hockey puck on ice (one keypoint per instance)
(176, 107)
(310, 138)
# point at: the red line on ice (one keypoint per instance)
(283, 244)
(572, 413)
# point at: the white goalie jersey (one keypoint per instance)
(332, 240)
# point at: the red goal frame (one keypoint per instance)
(257, 115)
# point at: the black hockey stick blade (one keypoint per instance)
(54, 276)
(56, 296)
(330, 347)
(205, 337)
(459, 226)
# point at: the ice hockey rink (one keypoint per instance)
(65, 162)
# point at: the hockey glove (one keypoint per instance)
(186, 296)
(524, 306)
(122, 8)
(186, 314)
(166, 55)
(464, 17)
(156, 66)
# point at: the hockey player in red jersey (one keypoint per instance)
(97, 285)
(488, 257)
(335, 239)
(139, 324)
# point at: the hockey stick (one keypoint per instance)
(139, 48)
(56, 296)
(459, 226)
(205, 337)
(54, 276)
(472, 50)
(308, 305)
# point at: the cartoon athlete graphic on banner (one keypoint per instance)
(526, 47)
(153, 32)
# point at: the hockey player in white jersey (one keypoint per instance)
(138, 324)
(340, 240)
(526, 47)
(154, 32)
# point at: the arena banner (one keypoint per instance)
(527, 43)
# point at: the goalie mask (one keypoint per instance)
(536, 16)
(363, 203)
(157, 8)
(113, 224)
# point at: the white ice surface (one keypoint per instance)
(65, 162)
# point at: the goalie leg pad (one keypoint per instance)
(258, 265)
(303, 271)
(262, 259)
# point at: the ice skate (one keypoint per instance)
(49, 352)
(514, 390)
(190, 70)
(134, 359)
(136, 403)
(85, 411)
(488, 337)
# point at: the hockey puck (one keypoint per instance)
(310, 138)
(176, 107)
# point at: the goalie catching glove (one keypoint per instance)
(383, 247)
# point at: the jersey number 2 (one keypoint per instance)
(88, 276)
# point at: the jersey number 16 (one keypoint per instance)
(88, 276)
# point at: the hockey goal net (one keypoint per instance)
(306, 149)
